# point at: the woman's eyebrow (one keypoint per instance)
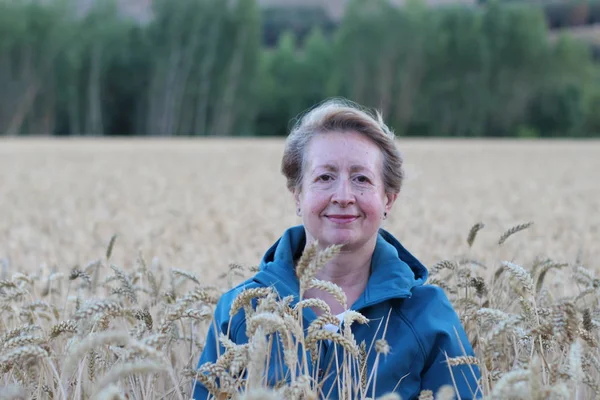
(333, 168)
(357, 168)
(328, 167)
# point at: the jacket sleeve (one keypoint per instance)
(444, 336)
(210, 353)
(221, 323)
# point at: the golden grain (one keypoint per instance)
(535, 328)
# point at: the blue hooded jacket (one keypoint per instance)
(422, 326)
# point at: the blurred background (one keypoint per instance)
(511, 68)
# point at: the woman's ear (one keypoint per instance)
(296, 194)
(297, 202)
(390, 200)
(297, 191)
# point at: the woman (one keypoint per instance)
(345, 172)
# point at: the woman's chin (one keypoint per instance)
(340, 238)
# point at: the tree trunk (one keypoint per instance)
(28, 87)
(358, 79)
(8, 93)
(386, 83)
(169, 92)
(27, 100)
(410, 81)
(154, 100)
(189, 55)
(94, 124)
(227, 115)
(208, 62)
(49, 110)
(73, 110)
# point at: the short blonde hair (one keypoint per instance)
(340, 115)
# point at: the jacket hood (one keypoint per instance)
(394, 271)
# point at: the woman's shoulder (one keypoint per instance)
(224, 306)
(429, 310)
(428, 294)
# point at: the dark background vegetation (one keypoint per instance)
(239, 68)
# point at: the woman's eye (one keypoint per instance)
(363, 179)
(325, 178)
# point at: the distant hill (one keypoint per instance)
(140, 9)
(588, 29)
(137, 9)
(336, 8)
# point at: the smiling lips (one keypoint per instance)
(341, 219)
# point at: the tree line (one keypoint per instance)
(228, 68)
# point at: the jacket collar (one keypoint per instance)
(394, 271)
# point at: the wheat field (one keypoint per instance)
(114, 252)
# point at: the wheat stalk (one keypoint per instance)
(260, 394)
(391, 396)
(462, 360)
(111, 392)
(382, 347)
(441, 265)
(111, 244)
(99, 307)
(426, 395)
(124, 370)
(330, 288)
(473, 233)
(21, 341)
(350, 346)
(521, 275)
(185, 274)
(245, 297)
(93, 341)
(307, 257)
(267, 321)
(314, 303)
(125, 282)
(21, 354)
(21, 330)
(512, 231)
(12, 392)
(543, 271)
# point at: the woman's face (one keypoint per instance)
(343, 198)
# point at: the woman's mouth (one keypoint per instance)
(342, 219)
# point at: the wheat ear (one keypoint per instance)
(473, 233)
(138, 367)
(111, 392)
(93, 341)
(512, 231)
(521, 275)
(330, 288)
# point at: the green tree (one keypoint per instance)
(516, 40)
(32, 37)
(563, 104)
(381, 53)
(280, 72)
(102, 40)
(292, 80)
(204, 67)
(454, 93)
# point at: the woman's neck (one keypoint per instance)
(349, 270)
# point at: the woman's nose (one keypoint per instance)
(343, 194)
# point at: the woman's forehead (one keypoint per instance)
(335, 155)
(336, 167)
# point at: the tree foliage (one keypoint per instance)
(224, 67)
